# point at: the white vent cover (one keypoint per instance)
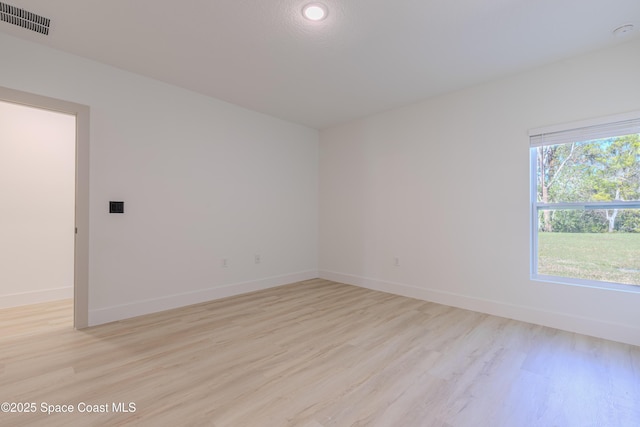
(25, 19)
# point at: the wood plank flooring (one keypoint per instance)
(314, 354)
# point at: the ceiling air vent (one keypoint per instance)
(25, 19)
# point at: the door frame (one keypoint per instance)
(81, 246)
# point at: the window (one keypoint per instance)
(585, 203)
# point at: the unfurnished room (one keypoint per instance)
(320, 213)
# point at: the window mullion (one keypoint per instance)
(588, 205)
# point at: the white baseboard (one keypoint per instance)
(582, 325)
(139, 308)
(35, 297)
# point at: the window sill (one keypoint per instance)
(586, 283)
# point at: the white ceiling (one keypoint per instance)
(368, 56)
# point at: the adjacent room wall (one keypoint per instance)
(202, 180)
(37, 184)
(443, 186)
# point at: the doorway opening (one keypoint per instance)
(47, 217)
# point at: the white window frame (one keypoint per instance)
(604, 127)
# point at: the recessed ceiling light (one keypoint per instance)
(623, 30)
(315, 11)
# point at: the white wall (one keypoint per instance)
(444, 186)
(201, 179)
(37, 184)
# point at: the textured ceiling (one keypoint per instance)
(368, 56)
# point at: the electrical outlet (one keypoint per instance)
(256, 259)
(396, 262)
(225, 263)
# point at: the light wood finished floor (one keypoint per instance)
(315, 353)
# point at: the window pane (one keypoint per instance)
(582, 247)
(590, 171)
